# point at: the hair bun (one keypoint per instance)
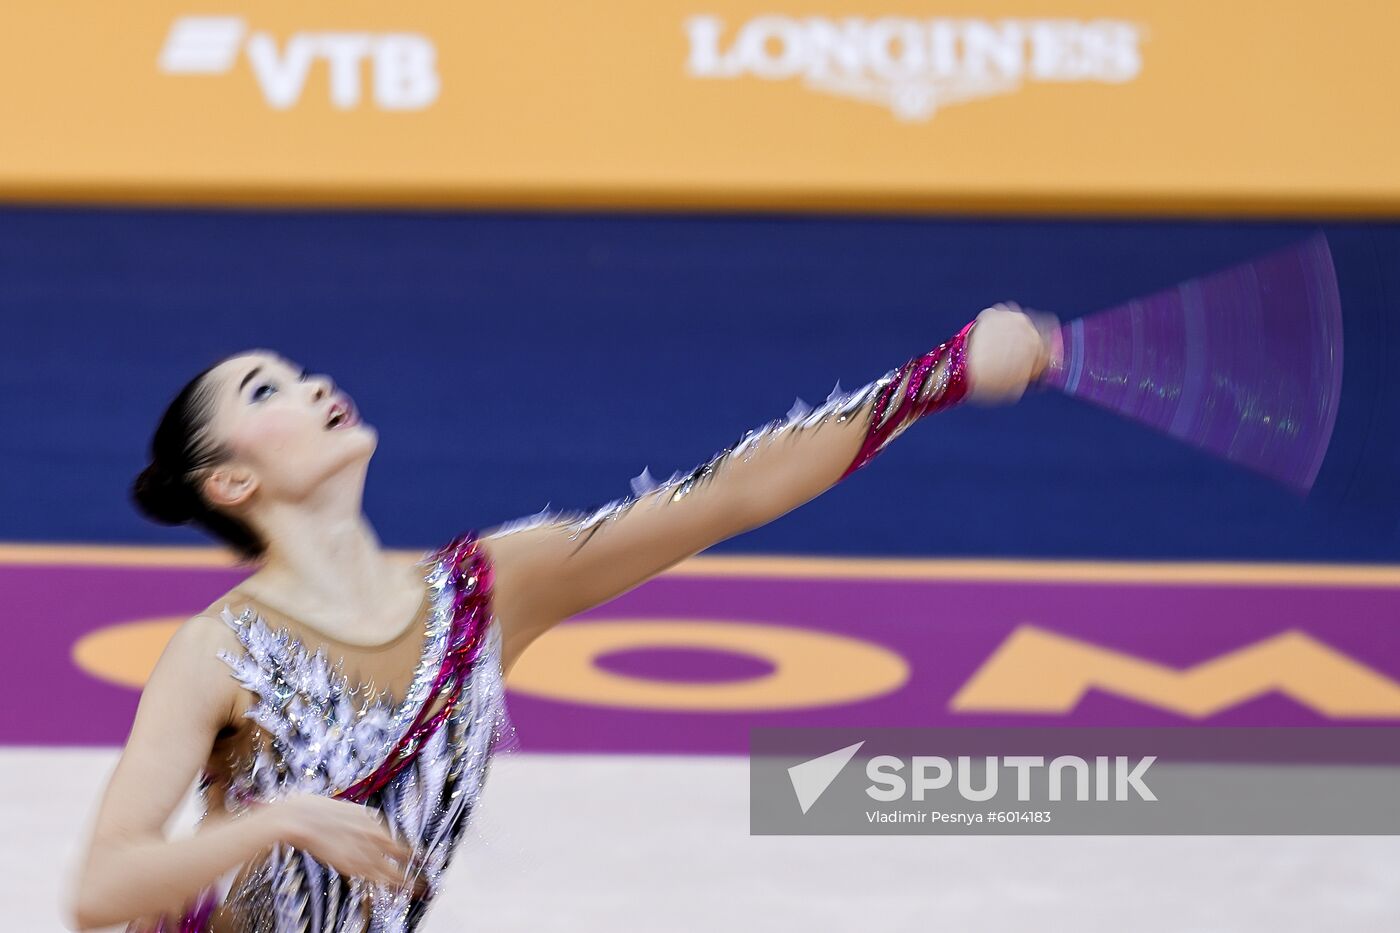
(164, 497)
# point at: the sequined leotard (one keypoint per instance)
(422, 761)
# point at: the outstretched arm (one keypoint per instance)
(552, 566)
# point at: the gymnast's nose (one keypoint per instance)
(321, 387)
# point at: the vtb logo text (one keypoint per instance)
(403, 74)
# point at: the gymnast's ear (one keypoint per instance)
(229, 485)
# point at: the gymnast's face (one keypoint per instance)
(286, 431)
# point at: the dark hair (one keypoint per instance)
(167, 490)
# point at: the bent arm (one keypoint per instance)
(552, 566)
(130, 870)
(146, 878)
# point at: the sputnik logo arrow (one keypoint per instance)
(810, 779)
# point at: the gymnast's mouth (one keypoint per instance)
(343, 415)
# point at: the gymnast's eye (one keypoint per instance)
(258, 395)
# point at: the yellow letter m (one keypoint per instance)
(1037, 671)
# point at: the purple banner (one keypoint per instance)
(689, 663)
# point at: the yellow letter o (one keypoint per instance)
(811, 668)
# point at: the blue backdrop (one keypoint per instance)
(513, 360)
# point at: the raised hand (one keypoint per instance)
(1007, 351)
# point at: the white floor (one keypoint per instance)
(618, 843)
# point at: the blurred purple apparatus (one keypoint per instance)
(1245, 363)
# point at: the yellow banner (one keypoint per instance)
(1028, 107)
